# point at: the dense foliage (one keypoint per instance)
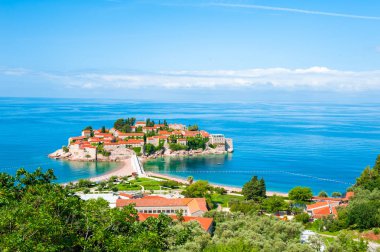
(124, 125)
(37, 215)
(370, 178)
(300, 194)
(197, 142)
(193, 127)
(239, 232)
(254, 189)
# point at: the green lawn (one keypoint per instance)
(148, 184)
(224, 199)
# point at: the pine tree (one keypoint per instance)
(376, 167)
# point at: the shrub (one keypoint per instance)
(376, 231)
(85, 191)
(177, 147)
(65, 149)
(213, 146)
(137, 150)
(302, 217)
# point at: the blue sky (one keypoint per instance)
(117, 49)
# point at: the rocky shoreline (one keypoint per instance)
(124, 154)
(116, 156)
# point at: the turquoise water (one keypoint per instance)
(324, 146)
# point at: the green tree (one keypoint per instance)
(88, 128)
(323, 194)
(376, 167)
(190, 179)
(336, 194)
(193, 127)
(198, 189)
(300, 194)
(369, 179)
(254, 189)
(363, 210)
(302, 217)
(275, 203)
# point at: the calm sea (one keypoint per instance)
(323, 146)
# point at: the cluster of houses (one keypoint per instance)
(324, 207)
(158, 134)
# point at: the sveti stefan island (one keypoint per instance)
(132, 142)
(201, 126)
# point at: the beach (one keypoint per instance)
(125, 169)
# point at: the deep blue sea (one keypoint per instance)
(323, 146)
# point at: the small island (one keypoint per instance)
(145, 139)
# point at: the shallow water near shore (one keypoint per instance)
(323, 146)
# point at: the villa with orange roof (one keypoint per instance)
(157, 205)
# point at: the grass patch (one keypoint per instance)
(225, 198)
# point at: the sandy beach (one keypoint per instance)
(228, 188)
(125, 169)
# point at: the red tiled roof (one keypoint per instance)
(151, 128)
(163, 132)
(205, 133)
(78, 138)
(135, 141)
(176, 132)
(103, 135)
(194, 204)
(316, 205)
(140, 122)
(349, 195)
(191, 133)
(161, 137)
(130, 134)
(205, 223)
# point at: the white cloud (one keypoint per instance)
(313, 78)
(293, 10)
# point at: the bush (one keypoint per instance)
(65, 149)
(170, 184)
(177, 147)
(302, 217)
(300, 194)
(84, 183)
(85, 191)
(115, 189)
(220, 190)
(376, 231)
(137, 150)
(245, 207)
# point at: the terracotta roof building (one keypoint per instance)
(157, 205)
(205, 223)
